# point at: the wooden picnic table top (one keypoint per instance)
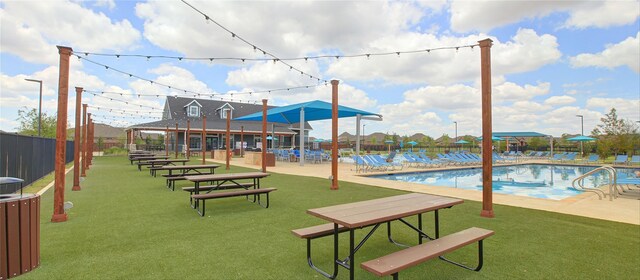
(195, 166)
(167, 160)
(149, 157)
(365, 213)
(227, 176)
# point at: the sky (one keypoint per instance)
(551, 60)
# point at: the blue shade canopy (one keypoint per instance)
(581, 138)
(318, 140)
(493, 138)
(313, 111)
(462, 142)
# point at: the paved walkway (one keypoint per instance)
(586, 204)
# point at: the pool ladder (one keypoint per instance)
(578, 183)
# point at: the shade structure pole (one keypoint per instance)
(61, 135)
(203, 144)
(175, 145)
(301, 136)
(76, 142)
(334, 134)
(264, 135)
(358, 118)
(187, 138)
(487, 152)
(83, 173)
(228, 141)
(166, 141)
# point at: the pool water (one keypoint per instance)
(533, 180)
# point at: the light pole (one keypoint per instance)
(364, 139)
(581, 133)
(39, 106)
(456, 133)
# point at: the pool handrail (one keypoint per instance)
(578, 183)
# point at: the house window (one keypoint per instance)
(194, 111)
(225, 112)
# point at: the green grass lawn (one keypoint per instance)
(126, 225)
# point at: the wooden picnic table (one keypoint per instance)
(219, 180)
(160, 162)
(375, 212)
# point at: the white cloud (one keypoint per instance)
(467, 16)
(609, 13)
(31, 31)
(526, 51)
(626, 108)
(509, 91)
(290, 28)
(105, 3)
(559, 100)
(267, 75)
(626, 53)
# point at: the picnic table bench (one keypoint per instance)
(160, 162)
(219, 182)
(146, 158)
(373, 213)
(255, 192)
(183, 170)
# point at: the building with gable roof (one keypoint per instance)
(181, 114)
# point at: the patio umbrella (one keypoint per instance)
(303, 112)
(462, 142)
(412, 143)
(493, 138)
(581, 139)
(388, 142)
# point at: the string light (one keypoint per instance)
(184, 90)
(275, 60)
(234, 36)
(119, 100)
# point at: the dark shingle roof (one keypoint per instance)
(175, 112)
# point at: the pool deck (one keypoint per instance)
(586, 204)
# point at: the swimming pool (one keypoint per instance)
(533, 180)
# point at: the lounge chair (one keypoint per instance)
(593, 158)
(635, 160)
(621, 159)
(383, 161)
(557, 157)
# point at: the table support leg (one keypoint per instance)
(352, 259)
(420, 228)
(437, 224)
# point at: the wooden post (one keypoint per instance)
(203, 146)
(92, 131)
(61, 135)
(176, 141)
(228, 141)
(487, 152)
(76, 142)
(88, 141)
(84, 141)
(166, 141)
(334, 134)
(264, 135)
(187, 140)
(242, 141)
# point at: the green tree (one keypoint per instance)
(615, 136)
(374, 141)
(29, 123)
(100, 143)
(537, 142)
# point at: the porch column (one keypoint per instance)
(487, 152)
(166, 141)
(187, 139)
(176, 141)
(242, 141)
(89, 143)
(228, 141)
(301, 136)
(203, 145)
